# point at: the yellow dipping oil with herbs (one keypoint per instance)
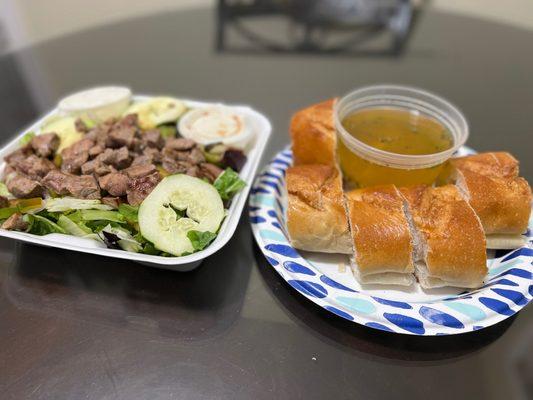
(396, 131)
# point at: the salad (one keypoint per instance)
(119, 172)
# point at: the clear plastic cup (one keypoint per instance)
(364, 165)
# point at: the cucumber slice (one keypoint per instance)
(177, 205)
(157, 111)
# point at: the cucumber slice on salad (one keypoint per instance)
(157, 111)
(177, 205)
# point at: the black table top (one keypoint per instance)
(78, 326)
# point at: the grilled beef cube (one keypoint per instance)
(76, 155)
(4, 202)
(116, 183)
(103, 169)
(141, 160)
(83, 187)
(14, 158)
(180, 144)
(141, 187)
(15, 223)
(153, 153)
(111, 201)
(152, 138)
(23, 187)
(210, 171)
(194, 171)
(119, 158)
(175, 167)
(34, 167)
(81, 126)
(138, 171)
(130, 120)
(121, 136)
(95, 151)
(57, 182)
(45, 145)
(196, 156)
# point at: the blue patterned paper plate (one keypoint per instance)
(327, 280)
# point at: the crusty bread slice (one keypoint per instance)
(449, 238)
(313, 135)
(316, 218)
(501, 199)
(380, 235)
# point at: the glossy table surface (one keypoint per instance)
(76, 326)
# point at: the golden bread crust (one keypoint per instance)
(316, 218)
(380, 231)
(452, 233)
(313, 135)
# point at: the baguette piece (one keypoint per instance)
(450, 244)
(316, 218)
(313, 135)
(381, 236)
(501, 198)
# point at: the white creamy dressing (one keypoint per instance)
(96, 97)
(214, 124)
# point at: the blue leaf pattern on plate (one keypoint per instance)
(440, 318)
(292, 266)
(282, 249)
(340, 313)
(309, 288)
(407, 323)
(330, 282)
(393, 303)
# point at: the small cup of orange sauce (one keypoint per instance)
(396, 134)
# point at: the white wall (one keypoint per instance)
(30, 21)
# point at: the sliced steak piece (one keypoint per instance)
(111, 201)
(45, 144)
(141, 187)
(35, 167)
(4, 202)
(152, 138)
(15, 223)
(138, 171)
(116, 183)
(210, 171)
(74, 156)
(23, 187)
(121, 136)
(57, 182)
(180, 144)
(83, 187)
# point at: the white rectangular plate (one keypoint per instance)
(261, 128)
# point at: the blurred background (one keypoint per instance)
(26, 22)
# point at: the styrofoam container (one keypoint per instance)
(261, 128)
